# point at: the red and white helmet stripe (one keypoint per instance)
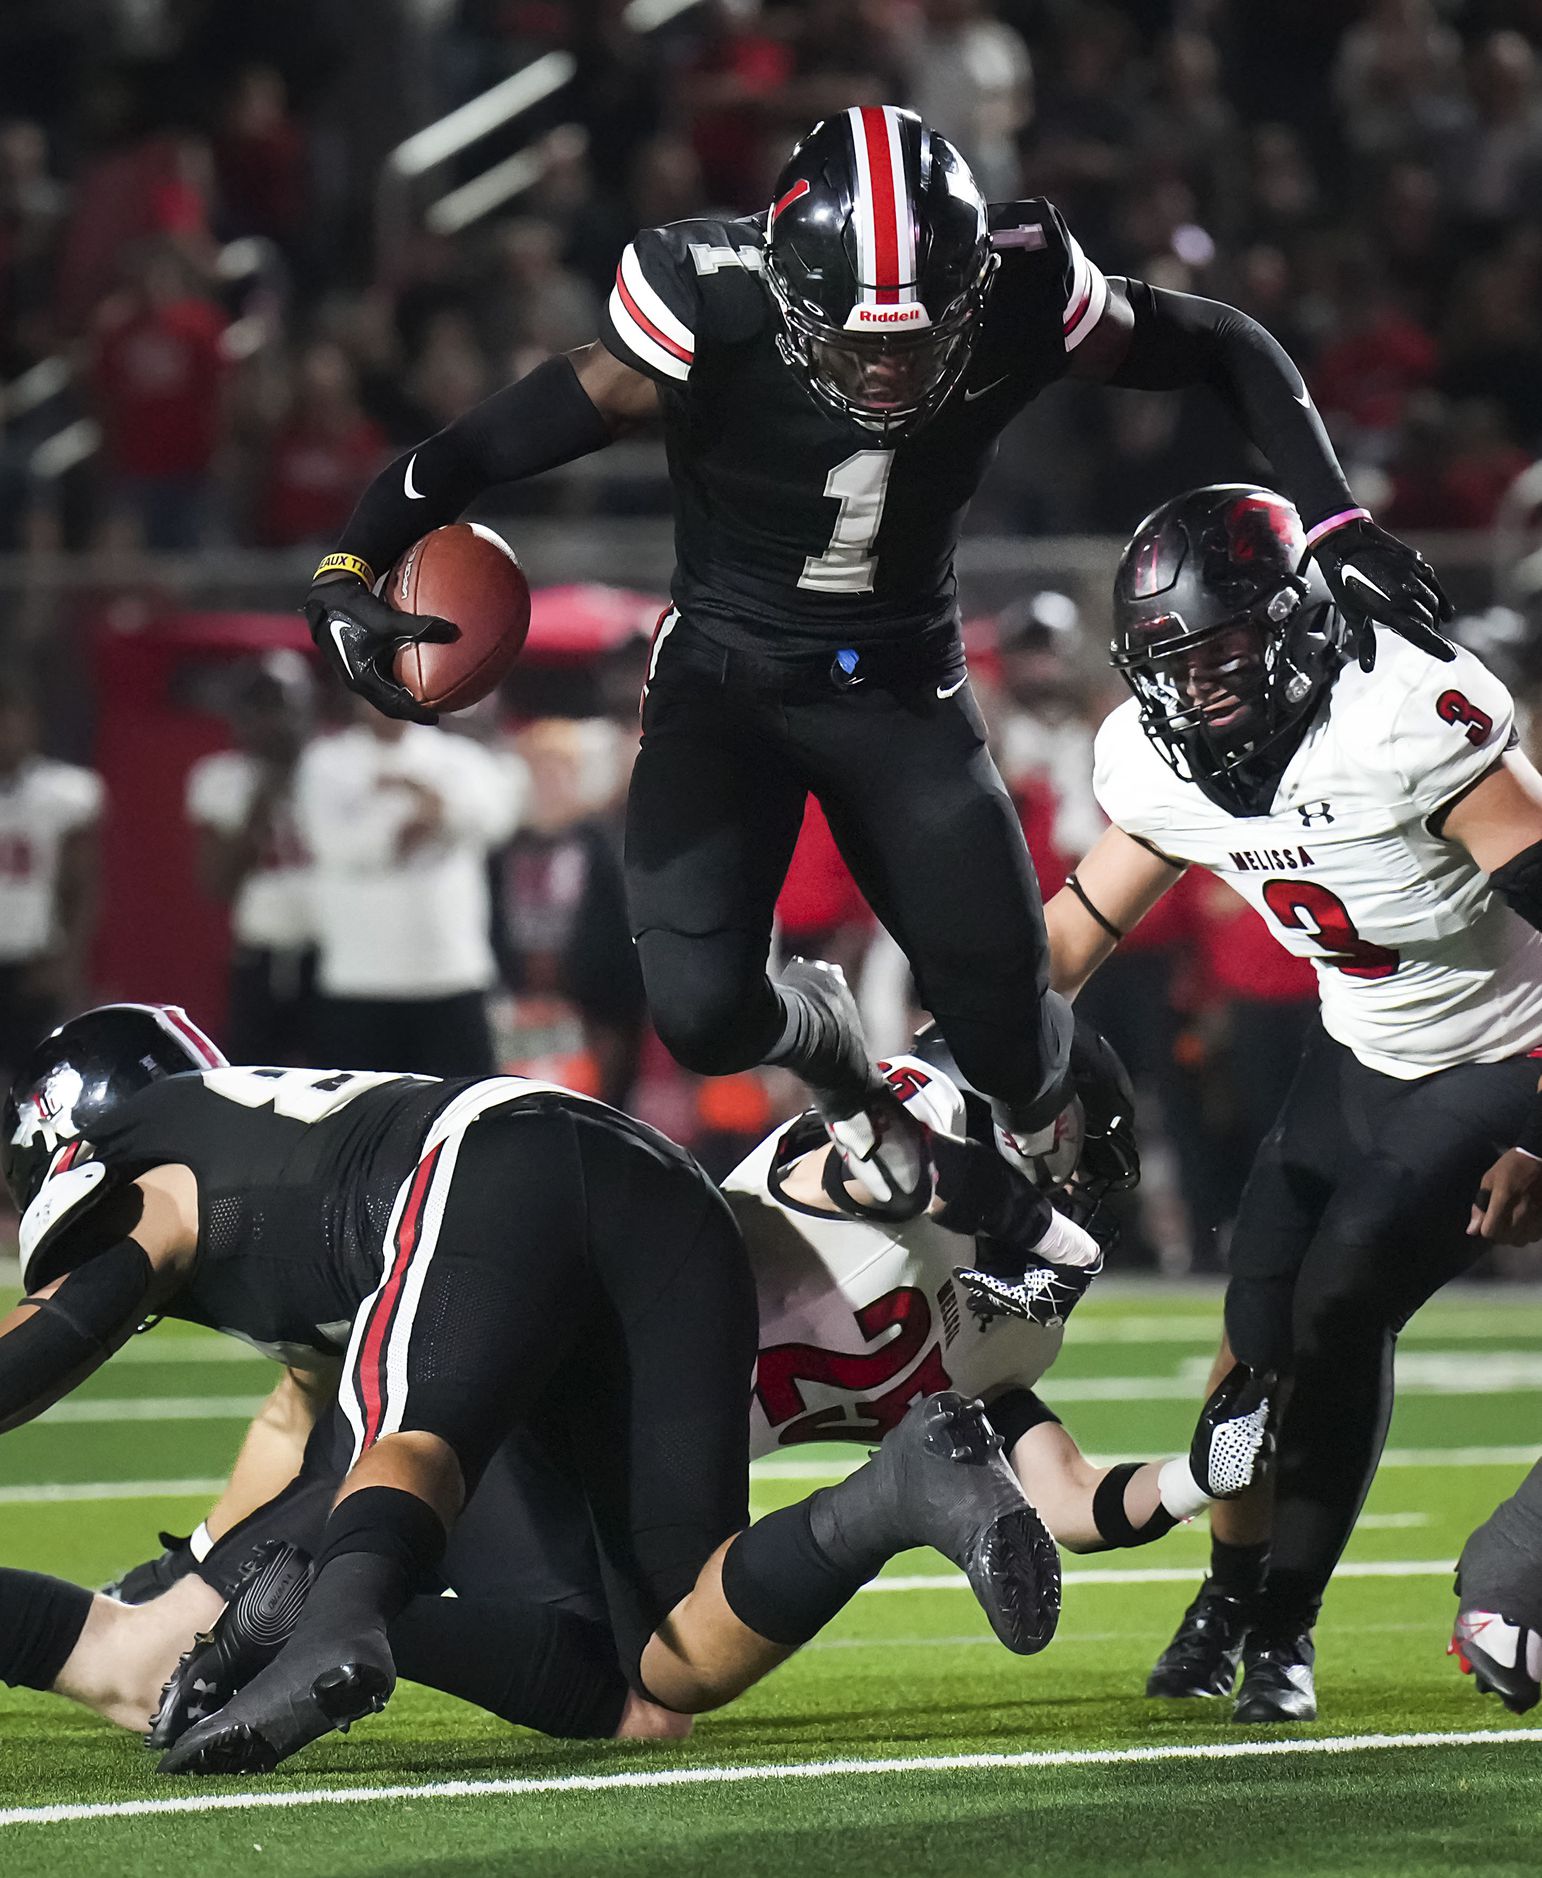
(640, 317)
(885, 225)
(181, 1028)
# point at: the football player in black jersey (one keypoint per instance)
(833, 376)
(492, 1256)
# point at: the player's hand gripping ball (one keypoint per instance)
(470, 576)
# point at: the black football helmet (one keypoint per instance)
(879, 259)
(1227, 636)
(83, 1070)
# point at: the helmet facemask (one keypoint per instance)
(885, 382)
(1226, 707)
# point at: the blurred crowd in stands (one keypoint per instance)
(196, 218)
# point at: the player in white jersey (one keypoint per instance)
(1393, 835)
(49, 815)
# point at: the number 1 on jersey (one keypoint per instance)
(848, 564)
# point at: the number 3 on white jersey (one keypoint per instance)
(848, 564)
(299, 1095)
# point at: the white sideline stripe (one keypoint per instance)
(731, 1776)
(51, 1493)
(1170, 1575)
(156, 1408)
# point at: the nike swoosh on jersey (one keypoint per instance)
(947, 691)
(970, 396)
(413, 495)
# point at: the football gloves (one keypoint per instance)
(1042, 1294)
(358, 636)
(1234, 1438)
(1378, 580)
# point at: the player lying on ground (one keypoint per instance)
(1390, 831)
(831, 1287)
(1498, 1635)
(833, 377)
(495, 1255)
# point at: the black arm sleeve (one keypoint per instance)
(538, 423)
(79, 1326)
(1519, 881)
(1180, 340)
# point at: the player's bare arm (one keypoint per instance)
(54, 1339)
(566, 408)
(1151, 339)
(1112, 888)
(1499, 823)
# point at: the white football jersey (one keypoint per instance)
(1419, 964)
(41, 804)
(858, 1319)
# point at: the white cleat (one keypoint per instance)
(1504, 1659)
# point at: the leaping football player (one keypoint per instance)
(860, 1319)
(1389, 830)
(833, 376)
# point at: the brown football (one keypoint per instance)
(469, 575)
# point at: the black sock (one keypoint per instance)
(780, 1580)
(379, 1547)
(526, 1663)
(802, 1032)
(1238, 1570)
(41, 1620)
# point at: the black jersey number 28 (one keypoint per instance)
(1307, 906)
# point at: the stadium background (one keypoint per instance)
(248, 250)
(245, 255)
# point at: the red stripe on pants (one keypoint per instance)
(372, 1353)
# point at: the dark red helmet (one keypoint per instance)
(1227, 636)
(878, 257)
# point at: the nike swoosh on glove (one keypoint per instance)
(359, 636)
(1378, 580)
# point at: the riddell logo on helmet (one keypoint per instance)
(864, 316)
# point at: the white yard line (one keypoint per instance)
(854, 1769)
(789, 1467)
(1167, 1575)
(1448, 1324)
(53, 1492)
(155, 1408)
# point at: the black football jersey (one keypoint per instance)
(794, 530)
(298, 1171)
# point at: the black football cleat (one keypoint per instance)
(881, 1144)
(1503, 1659)
(308, 1690)
(143, 1582)
(252, 1629)
(1277, 1681)
(1206, 1648)
(948, 1483)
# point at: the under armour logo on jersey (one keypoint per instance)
(1314, 812)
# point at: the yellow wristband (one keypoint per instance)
(346, 564)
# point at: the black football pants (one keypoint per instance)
(1354, 1215)
(899, 763)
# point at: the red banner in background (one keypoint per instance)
(163, 685)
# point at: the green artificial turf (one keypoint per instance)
(907, 1673)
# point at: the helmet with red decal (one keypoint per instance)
(879, 259)
(79, 1073)
(1227, 636)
